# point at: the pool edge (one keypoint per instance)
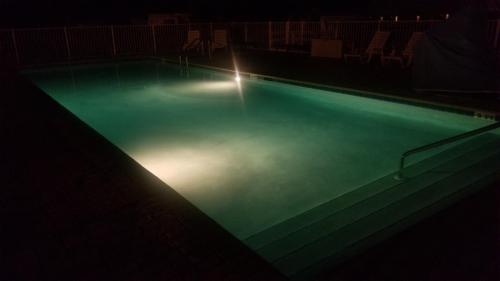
(471, 111)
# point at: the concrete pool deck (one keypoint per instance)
(103, 218)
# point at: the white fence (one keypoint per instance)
(45, 45)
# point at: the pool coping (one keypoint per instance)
(471, 111)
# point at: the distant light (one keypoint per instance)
(381, 18)
(447, 16)
(418, 18)
(396, 18)
(238, 80)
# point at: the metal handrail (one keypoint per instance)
(399, 175)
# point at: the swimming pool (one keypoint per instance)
(250, 154)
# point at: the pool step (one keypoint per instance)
(414, 212)
(313, 215)
(301, 244)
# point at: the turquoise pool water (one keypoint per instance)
(248, 154)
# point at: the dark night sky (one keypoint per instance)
(57, 12)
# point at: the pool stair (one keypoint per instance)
(305, 245)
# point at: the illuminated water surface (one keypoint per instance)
(249, 153)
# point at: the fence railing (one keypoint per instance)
(47, 45)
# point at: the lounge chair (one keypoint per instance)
(376, 47)
(406, 58)
(193, 41)
(219, 40)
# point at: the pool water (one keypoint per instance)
(249, 154)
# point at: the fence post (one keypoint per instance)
(14, 43)
(210, 40)
(246, 32)
(68, 49)
(287, 32)
(336, 24)
(301, 32)
(113, 40)
(270, 36)
(154, 38)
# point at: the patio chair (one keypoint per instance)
(193, 41)
(406, 58)
(219, 40)
(376, 47)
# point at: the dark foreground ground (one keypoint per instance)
(74, 207)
